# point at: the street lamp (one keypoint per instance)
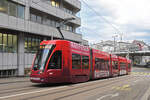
(114, 36)
(63, 22)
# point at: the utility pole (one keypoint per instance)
(115, 35)
(121, 37)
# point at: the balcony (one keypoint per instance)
(10, 22)
(57, 12)
(75, 3)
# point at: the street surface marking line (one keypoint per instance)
(44, 90)
(111, 95)
(123, 88)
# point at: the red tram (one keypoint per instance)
(63, 61)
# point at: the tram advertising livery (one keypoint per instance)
(63, 61)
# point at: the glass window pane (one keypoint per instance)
(53, 3)
(1, 43)
(39, 19)
(76, 61)
(12, 9)
(56, 60)
(53, 23)
(29, 44)
(10, 47)
(26, 44)
(57, 4)
(85, 62)
(3, 6)
(48, 22)
(15, 46)
(21, 11)
(5, 42)
(34, 45)
(45, 21)
(33, 17)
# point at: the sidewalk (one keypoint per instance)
(14, 80)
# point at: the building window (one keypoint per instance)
(21, 11)
(12, 9)
(48, 20)
(1, 43)
(39, 19)
(55, 3)
(68, 10)
(8, 43)
(15, 45)
(45, 21)
(33, 17)
(76, 61)
(31, 44)
(5, 42)
(53, 23)
(26, 44)
(4, 6)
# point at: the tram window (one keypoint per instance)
(76, 61)
(100, 64)
(115, 64)
(122, 65)
(85, 62)
(55, 61)
(129, 65)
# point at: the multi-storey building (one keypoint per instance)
(25, 23)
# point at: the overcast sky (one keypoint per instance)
(131, 17)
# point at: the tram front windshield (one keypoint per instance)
(42, 56)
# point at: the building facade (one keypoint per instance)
(119, 47)
(25, 23)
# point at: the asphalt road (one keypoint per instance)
(130, 87)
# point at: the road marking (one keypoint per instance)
(108, 95)
(140, 74)
(136, 81)
(44, 90)
(123, 88)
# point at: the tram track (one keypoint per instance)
(13, 82)
(17, 90)
(78, 87)
(104, 88)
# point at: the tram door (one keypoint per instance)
(55, 63)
